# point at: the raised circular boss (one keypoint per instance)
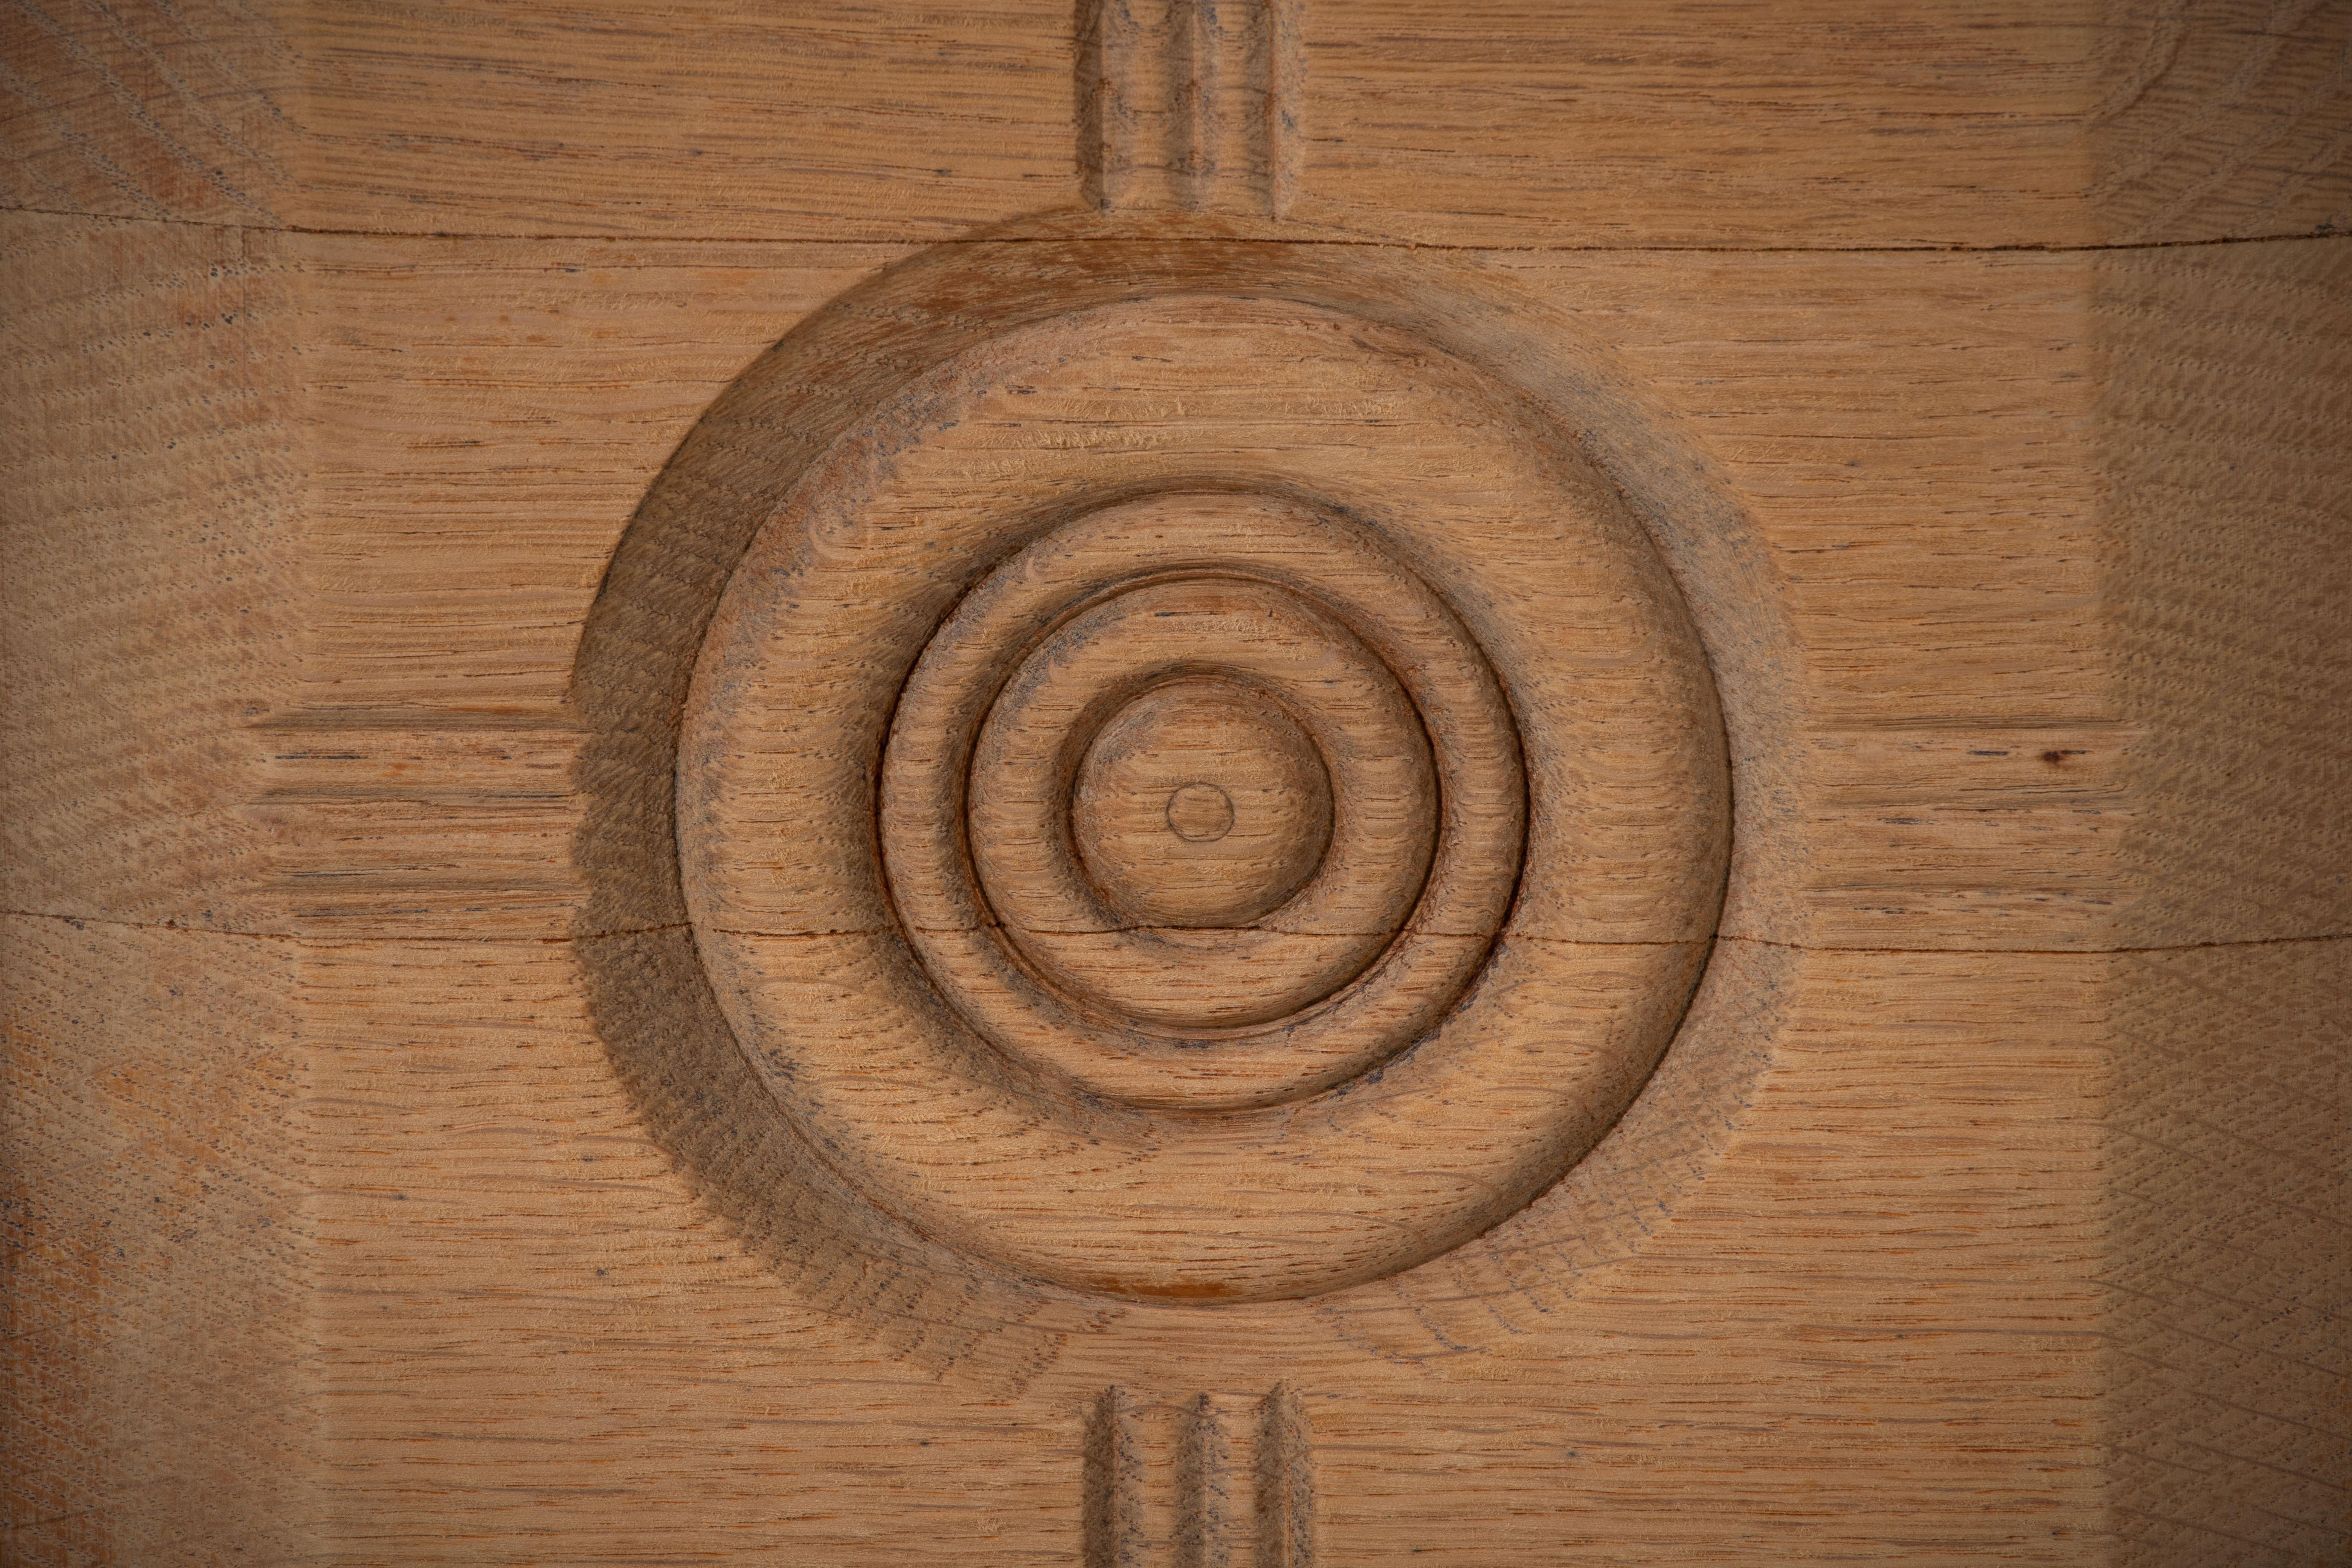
(1259, 659)
(1202, 885)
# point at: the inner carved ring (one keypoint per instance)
(1275, 662)
(1174, 675)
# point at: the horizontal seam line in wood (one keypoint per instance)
(332, 937)
(79, 920)
(869, 241)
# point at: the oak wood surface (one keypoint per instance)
(160, 1322)
(1798, 124)
(385, 1180)
(144, 633)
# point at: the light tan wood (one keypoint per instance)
(617, 624)
(143, 636)
(688, 1370)
(1796, 124)
(160, 1314)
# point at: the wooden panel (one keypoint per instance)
(150, 600)
(714, 119)
(154, 109)
(1787, 124)
(2223, 120)
(485, 1080)
(2229, 1410)
(1387, 1377)
(1862, 1330)
(157, 1252)
(1814, 124)
(487, 416)
(2223, 431)
(1893, 468)
(2231, 1188)
(1764, 123)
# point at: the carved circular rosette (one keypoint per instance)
(1190, 791)
(1203, 802)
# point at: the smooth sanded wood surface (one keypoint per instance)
(421, 1141)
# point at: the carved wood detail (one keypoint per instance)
(1204, 1482)
(1519, 800)
(1467, 812)
(1191, 104)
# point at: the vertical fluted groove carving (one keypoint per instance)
(1183, 1454)
(1100, 46)
(1193, 115)
(1201, 1459)
(1111, 1527)
(1285, 1483)
(1281, 78)
(1190, 104)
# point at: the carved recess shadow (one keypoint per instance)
(1185, 773)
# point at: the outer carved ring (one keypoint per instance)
(877, 1070)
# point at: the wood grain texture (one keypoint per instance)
(467, 489)
(142, 633)
(159, 1314)
(425, 1145)
(906, 1306)
(2222, 427)
(1765, 124)
(1226, 1481)
(2231, 1187)
(1336, 567)
(1910, 1302)
(2222, 119)
(1192, 106)
(1877, 454)
(479, 388)
(168, 110)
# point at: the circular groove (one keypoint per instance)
(1262, 591)
(1254, 1162)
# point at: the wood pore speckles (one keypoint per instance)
(385, 1181)
(2223, 431)
(2230, 1207)
(143, 635)
(160, 1314)
(1772, 123)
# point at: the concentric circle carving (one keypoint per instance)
(1219, 856)
(1204, 801)
(975, 1209)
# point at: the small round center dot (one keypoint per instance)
(1201, 814)
(1200, 804)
